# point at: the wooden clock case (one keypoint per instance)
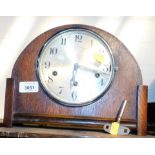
(38, 109)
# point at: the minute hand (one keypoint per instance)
(92, 69)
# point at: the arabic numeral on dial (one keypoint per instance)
(53, 51)
(47, 64)
(102, 82)
(107, 68)
(50, 80)
(60, 89)
(63, 41)
(74, 95)
(78, 38)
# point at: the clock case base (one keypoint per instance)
(39, 109)
(85, 123)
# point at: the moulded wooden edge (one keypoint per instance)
(86, 123)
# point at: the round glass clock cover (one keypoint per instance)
(75, 67)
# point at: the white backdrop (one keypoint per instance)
(137, 33)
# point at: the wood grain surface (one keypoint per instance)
(9, 102)
(23, 132)
(141, 110)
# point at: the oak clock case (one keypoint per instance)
(84, 73)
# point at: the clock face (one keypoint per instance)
(75, 67)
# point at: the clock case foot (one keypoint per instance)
(87, 123)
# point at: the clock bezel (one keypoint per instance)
(113, 67)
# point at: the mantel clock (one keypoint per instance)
(75, 76)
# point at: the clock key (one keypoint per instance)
(121, 111)
(115, 128)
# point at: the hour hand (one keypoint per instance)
(73, 82)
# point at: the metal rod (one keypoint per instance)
(121, 111)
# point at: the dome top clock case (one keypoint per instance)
(75, 76)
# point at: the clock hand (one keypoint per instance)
(73, 82)
(95, 70)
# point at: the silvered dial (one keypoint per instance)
(75, 67)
